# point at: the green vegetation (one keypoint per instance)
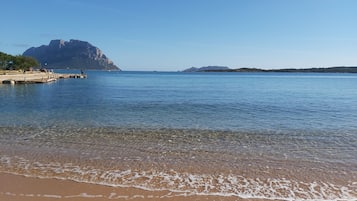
(9, 62)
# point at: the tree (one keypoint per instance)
(18, 62)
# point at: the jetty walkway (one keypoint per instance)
(35, 77)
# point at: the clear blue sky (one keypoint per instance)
(176, 34)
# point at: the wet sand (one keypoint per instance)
(20, 188)
(143, 159)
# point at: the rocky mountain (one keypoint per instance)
(207, 69)
(73, 54)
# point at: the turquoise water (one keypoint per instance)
(226, 101)
(241, 125)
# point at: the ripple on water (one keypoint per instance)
(301, 165)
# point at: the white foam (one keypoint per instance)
(31, 195)
(52, 196)
(84, 195)
(185, 183)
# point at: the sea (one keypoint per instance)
(285, 136)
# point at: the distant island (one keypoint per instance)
(73, 54)
(208, 69)
(337, 69)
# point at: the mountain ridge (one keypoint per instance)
(206, 68)
(72, 54)
(335, 69)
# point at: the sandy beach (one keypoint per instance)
(18, 188)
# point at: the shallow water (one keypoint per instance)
(261, 135)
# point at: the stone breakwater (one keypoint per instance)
(35, 77)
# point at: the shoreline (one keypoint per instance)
(114, 159)
(18, 188)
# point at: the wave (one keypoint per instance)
(188, 183)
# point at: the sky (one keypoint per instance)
(171, 35)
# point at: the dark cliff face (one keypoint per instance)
(73, 54)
